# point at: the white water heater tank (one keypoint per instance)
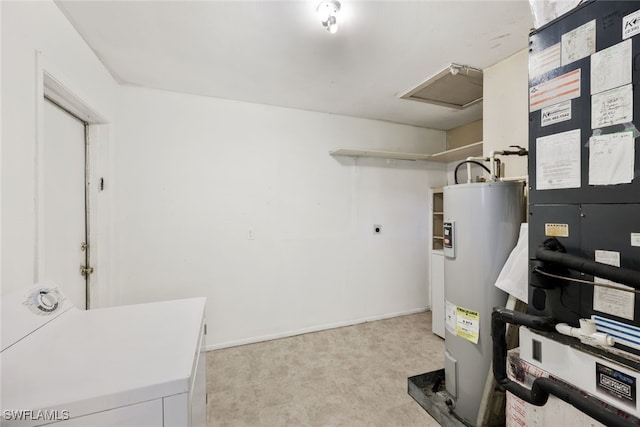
(481, 227)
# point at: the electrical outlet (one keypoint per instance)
(377, 229)
(250, 234)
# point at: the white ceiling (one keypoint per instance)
(277, 52)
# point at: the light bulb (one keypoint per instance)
(327, 11)
(323, 14)
(332, 25)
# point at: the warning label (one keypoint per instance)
(468, 324)
(556, 230)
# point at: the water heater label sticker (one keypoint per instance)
(579, 43)
(544, 61)
(468, 324)
(612, 107)
(558, 161)
(635, 239)
(556, 113)
(450, 317)
(631, 25)
(611, 67)
(556, 230)
(613, 382)
(551, 92)
(618, 302)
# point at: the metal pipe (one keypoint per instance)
(524, 178)
(492, 161)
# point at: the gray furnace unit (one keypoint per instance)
(481, 228)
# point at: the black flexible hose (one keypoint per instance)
(541, 387)
(455, 173)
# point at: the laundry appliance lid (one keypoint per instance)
(95, 360)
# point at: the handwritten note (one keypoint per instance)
(611, 158)
(611, 67)
(579, 43)
(612, 107)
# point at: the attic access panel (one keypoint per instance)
(457, 86)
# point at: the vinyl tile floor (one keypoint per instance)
(350, 376)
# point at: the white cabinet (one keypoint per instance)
(437, 216)
(436, 279)
(437, 293)
(147, 414)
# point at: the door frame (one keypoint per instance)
(51, 83)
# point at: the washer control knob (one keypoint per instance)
(44, 301)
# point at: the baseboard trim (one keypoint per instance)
(253, 340)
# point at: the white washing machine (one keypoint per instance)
(136, 365)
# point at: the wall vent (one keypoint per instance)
(457, 86)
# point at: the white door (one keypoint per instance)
(64, 229)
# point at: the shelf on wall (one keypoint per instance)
(461, 153)
(379, 154)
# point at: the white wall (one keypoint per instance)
(506, 110)
(189, 176)
(28, 27)
(195, 174)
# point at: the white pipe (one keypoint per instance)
(482, 159)
(524, 178)
(586, 333)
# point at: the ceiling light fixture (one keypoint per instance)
(327, 11)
